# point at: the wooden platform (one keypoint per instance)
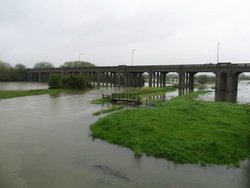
(125, 97)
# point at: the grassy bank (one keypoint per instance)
(147, 91)
(22, 93)
(182, 130)
(112, 109)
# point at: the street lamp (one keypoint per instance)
(133, 50)
(218, 52)
(80, 56)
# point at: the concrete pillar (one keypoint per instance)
(119, 77)
(235, 80)
(134, 80)
(107, 79)
(95, 78)
(114, 81)
(153, 79)
(220, 86)
(98, 79)
(92, 78)
(191, 81)
(102, 79)
(125, 77)
(128, 79)
(164, 79)
(150, 79)
(140, 80)
(181, 83)
(161, 77)
(157, 79)
(131, 77)
(231, 87)
(186, 82)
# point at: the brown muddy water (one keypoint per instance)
(45, 142)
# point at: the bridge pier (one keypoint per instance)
(150, 79)
(157, 79)
(186, 82)
(226, 86)
(153, 79)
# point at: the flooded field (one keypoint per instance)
(45, 142)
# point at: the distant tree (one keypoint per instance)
(171, 77)
(77, 64)
(20, 66)
(5, 71)
(54, 81)
(203, 79)
(43, 65)
(4, 66)
(8, 73)
(244, 77)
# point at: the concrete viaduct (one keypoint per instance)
(131, 76)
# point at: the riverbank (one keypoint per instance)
(182, 130)
(4, 94)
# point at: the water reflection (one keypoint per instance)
(22, 85)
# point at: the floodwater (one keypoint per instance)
(243, 93)
(22, 85)
(45, 142)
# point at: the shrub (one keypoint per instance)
(75, 82)
(54, 81)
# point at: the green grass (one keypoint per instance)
(21, 93)
(113, 108)
(100, 101)
(182, 130)
(146, 91)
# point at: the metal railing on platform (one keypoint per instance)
(127, 97)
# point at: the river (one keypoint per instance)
(45, 142)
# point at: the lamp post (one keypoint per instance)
(133, 50)
(80, 56)
(218, 52)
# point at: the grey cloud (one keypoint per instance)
(163, 32)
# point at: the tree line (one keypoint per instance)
(41, 65)
(17, 73)
(9, 73)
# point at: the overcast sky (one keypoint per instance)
(104, 32)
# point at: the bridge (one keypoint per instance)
(131, 76)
